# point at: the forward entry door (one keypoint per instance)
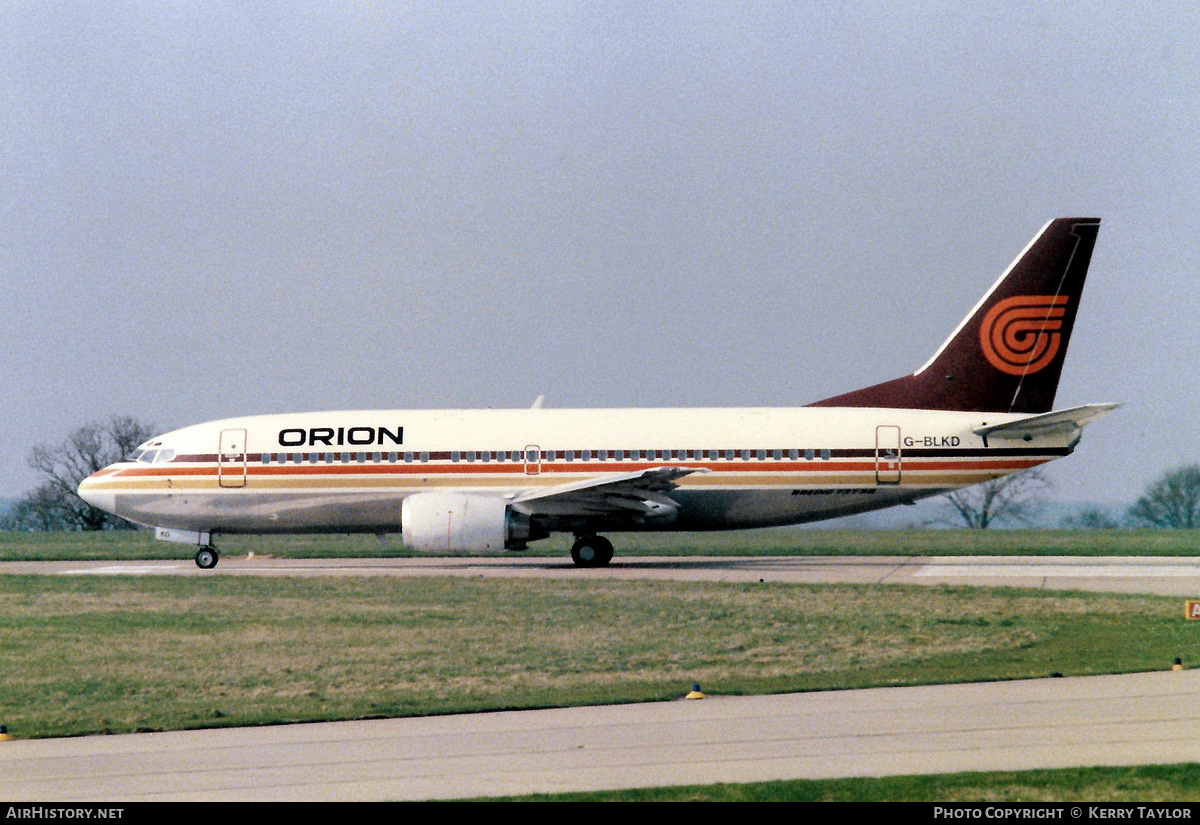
(231, 459)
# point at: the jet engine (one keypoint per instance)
(462, 522)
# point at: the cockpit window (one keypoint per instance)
(151, 456)
(148, 454)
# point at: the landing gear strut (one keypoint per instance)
(207, 557)
(591, 551)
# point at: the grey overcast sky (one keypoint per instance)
(221, 208)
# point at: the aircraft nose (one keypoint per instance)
(90, 491)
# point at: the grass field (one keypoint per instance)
(121, 654)
(118, 654)
(1141, 784)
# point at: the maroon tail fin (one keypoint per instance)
(1007, 354)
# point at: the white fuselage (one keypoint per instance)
(349, 471)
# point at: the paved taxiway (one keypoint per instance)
(1100, 720)
(1172, 576)
(1127, 719)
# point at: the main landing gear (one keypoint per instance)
(591, 551)
(207, 557)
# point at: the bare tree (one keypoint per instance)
(1012, 498)
(55, 503)
(1173, 501)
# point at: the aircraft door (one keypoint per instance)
(231, 459)
(887, 454)
(533, 459)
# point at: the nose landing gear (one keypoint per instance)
(207, 557)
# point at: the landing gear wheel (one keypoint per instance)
(207, 558)
(591, 551)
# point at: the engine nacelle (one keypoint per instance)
(461, 522)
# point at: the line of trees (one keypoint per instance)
(55, 503)
(1170, 502)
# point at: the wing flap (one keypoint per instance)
(636, 494)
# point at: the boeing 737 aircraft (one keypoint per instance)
(493, 480)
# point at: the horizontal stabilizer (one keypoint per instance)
(1045, 424)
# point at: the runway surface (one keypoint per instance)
(1104, 720)
(1171, 576)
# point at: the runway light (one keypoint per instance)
(1178, 664)
(695, 694)
(4, 737)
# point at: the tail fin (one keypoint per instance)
(1007, 354)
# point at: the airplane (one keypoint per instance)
(479, 481)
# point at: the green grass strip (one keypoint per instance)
(100, 654)
(1142, 785)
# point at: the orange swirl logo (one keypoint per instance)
(1020, 335)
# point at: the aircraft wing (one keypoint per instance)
(1044, 424)
(638, 494)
